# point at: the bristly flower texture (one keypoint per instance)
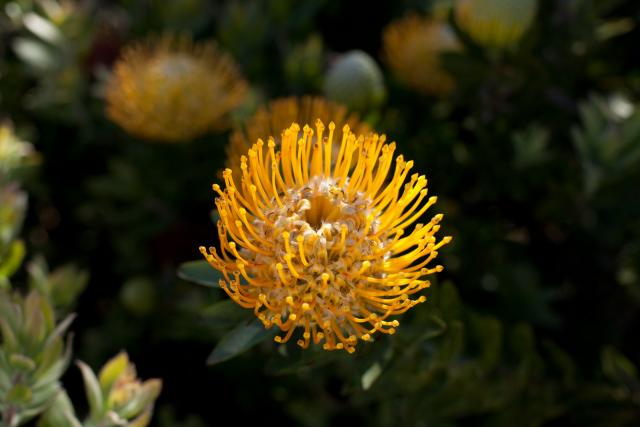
(320, 241)
(278, 115)
(172, 89)
(412, 48)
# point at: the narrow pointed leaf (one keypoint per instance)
(239, 340)
(199, 272)
(224, 315)
(93, 391)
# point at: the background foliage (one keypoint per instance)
(534, 156)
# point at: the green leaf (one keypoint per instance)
(370, 376)
(522, 341)
(225, 314)
(36, 54)
(617, 367)
(112, 371)
(43, 28)
(42, 397)
(452, 344)
(565, 367)
(13, 260)
(19, 394)
(22, 363)
(199, 272)
(141, 400)
(434, 328)
(93, 391)
(296, 361)
(239, 340)
(448, 302)
(487, 332)
(60, 413)
(143, 420)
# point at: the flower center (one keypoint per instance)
(321, 210)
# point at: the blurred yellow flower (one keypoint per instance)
(172, 89)
(278, 115)
(313, 239)
(412, 48)
(495, 23)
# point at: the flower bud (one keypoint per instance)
(495, 23)
(355, 80)
(125, 396)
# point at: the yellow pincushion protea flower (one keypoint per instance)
(278, 115)
(495, 23)
(311, 240)
(172, 89)
(412, 48)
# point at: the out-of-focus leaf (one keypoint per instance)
(112, 370)
(92, 390)
(22, 363)
(452, 343)
(10, 264)
(66, 284)
(488, 331)
(142, 400)
(19, 394)
(225, 314)
(142, 420)
(522, 341)
(138, 295)
(608, 140)
(36, 54)
(239, 340)
(294, 360)
(530, 147)
(42, 28)
(199, 272)
(617, 367)
(60, 413)
(448, 302)
(436, 328)
(60, 329)
(559, 359)
(370, 376)
(614, 28)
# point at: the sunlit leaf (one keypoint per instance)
(370, 376)
(43, 28)
(36, 54)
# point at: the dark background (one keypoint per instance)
(533, 251)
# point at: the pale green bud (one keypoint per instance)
(355, 80)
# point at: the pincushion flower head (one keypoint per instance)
(278, 115)
(172, 89)
(412, 48)
(318, 242)
(495, 23)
